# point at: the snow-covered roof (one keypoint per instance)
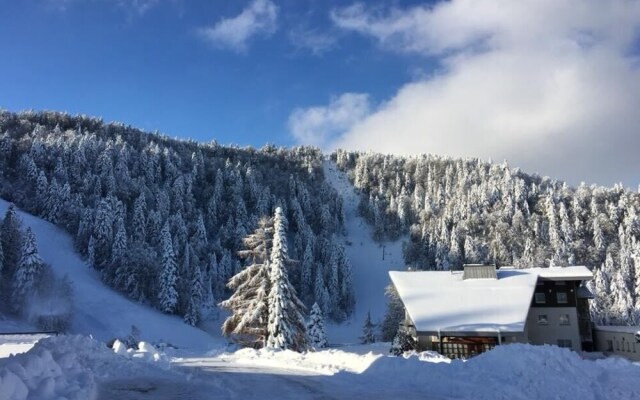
(619, 329)
(578, 272)
(441, 301)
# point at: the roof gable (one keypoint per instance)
(442, 301)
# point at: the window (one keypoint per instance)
(564, 319)
(562, 298)
(609, 345)
(628, 348)
(617, 346)
(566, 343)
(543, 320)
(540, 298)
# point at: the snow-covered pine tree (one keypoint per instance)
(28, 272)
(307, 270)
(119, 249)
(91, 251)
(394, 315)
(249, 304)
(192, 317)
(168, 296)
(103, 234)
(286, 328)
(403, 341)
(139, 219)
(368, 331)
(315, 328)
(11, 233)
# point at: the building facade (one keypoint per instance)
(623, 341)
(463, 313)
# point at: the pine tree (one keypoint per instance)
(192, 317)
(286, 328)
(248, 304)
(103, 233)
(119, 249)
(315, 328)
(368, 335)
(168, 296)
(140, 219)
(394, 315)
(11, 233)
(28, 272)
(91, 252)
(307, 267)
(403, 341)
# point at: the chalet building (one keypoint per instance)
(463, 313)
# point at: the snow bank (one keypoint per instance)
(512, 372)
(69, 367)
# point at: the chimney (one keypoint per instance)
(479, 271)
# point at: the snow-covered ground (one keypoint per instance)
(370, 270)
(98, 310)
(77, 367)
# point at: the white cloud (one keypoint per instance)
(319, 125)
(131, 7)
(260, 17)
(313, 41)
(551, 86)
(139, 6)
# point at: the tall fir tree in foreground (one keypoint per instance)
(28, 272)
(315, 328)
(368, 334)
(249, 304)
(168, 296)
(286, 328)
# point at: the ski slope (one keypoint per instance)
(370, 270)
(100, 311)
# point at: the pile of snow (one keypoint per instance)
(516, 371)
(144, 352)
(66, 367)
(11, 344)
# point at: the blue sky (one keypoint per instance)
(552, 87)
(147, 64)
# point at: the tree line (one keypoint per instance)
(163, 220)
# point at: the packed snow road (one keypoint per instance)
(210, 378)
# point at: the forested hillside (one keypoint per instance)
(457, 211)
(146, 209)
